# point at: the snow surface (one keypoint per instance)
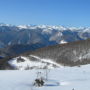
(62, 42)
(65, 78)
(22, 27)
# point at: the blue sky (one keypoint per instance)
(49, 12)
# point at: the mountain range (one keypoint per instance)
(15, 40)
(11, 35)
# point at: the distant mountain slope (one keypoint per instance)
(74, 53)
(13, 50)
(71, 54)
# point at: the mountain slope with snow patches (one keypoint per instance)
(32, 62)
(70, 54)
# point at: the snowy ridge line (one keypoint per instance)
(49, 27)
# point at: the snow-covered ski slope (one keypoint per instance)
(67, 77)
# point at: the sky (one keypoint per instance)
(48, 12)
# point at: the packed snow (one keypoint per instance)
(66, 78)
